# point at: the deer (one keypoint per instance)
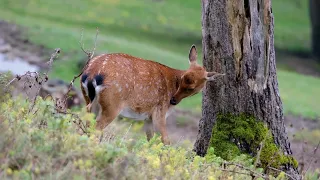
(118, 84)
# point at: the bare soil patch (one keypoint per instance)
(302, 63)
(14, 43)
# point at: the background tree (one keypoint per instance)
(315, 27)
(238, 40)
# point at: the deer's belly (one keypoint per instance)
(129, 113)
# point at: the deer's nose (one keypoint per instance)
(173, 101)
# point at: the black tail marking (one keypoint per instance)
(99, 79)
(84, 78)
(91, 89)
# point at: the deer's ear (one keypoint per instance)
(193, 55)
(212, 75)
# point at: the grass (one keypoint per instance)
(292, 25)
(310, 136)
(299, 94)
(159, 30)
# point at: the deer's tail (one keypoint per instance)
(91, 86)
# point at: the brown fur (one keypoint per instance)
(142, 85)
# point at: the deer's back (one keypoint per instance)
(138, 84)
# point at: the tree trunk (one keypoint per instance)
(315, 27)
(238, 40)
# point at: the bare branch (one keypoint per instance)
(252, 172)
(259, 152)
(312, 157)
(125, 135)
(283, 172)
(316, 149)
(19, 77)
(237, 172)
(45, 78)
(16, 78)
(95, 44)
(34, 78)
(78, 120)
(82, 43)
(90, 55)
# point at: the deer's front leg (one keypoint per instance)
(148, 128)
(159, 123)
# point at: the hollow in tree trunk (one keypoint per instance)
(238, 40)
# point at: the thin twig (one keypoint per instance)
(36, 78)
(125, 134)
(252, 173)
(16, 78)
(89, 55)
(238, 172)
(259, 152)
(283, 172)
(19, 77)
(82, 43)
(245, 168)
(313, 157)
(316, 149)
(95, 44)
(52, 57)
(79, 123)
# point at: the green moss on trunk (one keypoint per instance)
(233, 135)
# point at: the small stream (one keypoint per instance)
(15, 65)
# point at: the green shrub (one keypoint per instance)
(48, 145)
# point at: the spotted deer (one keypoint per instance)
(121, 84)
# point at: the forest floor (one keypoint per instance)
(183, 125)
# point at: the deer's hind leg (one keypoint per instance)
(108, 111)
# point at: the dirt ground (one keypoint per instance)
(182, 125)
(300, 62)
(14, 43)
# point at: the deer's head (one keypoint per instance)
(193, 80)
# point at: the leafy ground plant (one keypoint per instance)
(46, 145)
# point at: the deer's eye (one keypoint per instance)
(188, 81)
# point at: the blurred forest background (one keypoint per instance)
(161, 30)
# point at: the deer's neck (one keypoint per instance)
(173, 80)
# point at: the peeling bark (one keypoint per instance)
(238, 40)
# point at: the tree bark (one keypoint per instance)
(315, 27)
(238, 40)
